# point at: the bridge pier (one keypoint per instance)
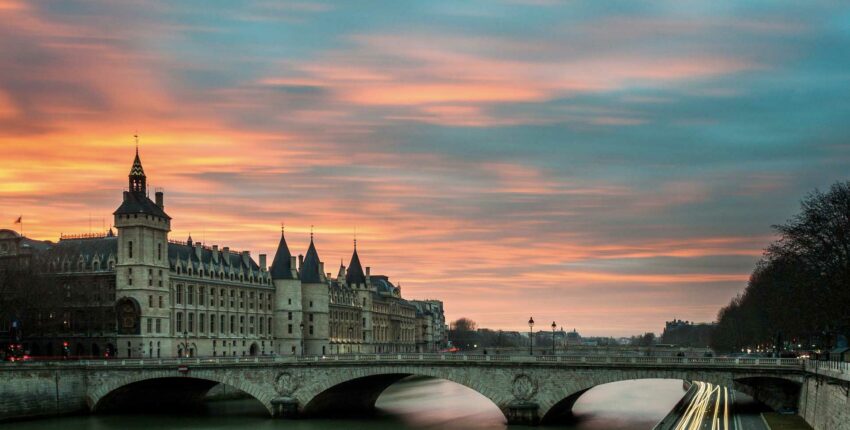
(285, 407)
(522, 413)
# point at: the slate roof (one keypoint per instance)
(310, 268)
(382, 284)
(282, 263)
(138, 203)
(179, 253)
(91, 250)
(355, 273)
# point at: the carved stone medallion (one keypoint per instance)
(286, 384)
(524, 387)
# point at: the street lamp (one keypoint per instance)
(350, 337)
(302, 338)
(530, 336)
(553, 337)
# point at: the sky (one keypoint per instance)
(604, 165)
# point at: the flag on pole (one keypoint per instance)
(19, 220)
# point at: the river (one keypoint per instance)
(409, 404)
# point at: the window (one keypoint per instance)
(251, 325)
(179, 295)
(269, 331)
(311, 303)
(191, 322)
(130, 249)
(150, 301)
(289, 301)
(179, 327)
(190, 295)
(311, 317)
(232, 324)
(221, 326)
(241, 325)
(158, 326)
(311, 330)
(159, 251)
(290, 316)
(160, 301)
(150, 325)
(212, 325)
(201, 319)
(289, 329)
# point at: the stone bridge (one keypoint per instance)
(528, 390)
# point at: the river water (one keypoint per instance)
(409, 404)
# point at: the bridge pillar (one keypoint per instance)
(523, 413)
(285, 407)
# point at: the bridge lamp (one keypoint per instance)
(553, 337)
(530, 336)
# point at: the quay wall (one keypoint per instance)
(31, 393)
(825, 403)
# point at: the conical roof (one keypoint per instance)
(282, 263)
(310, 268)
(136, 169)
(355, 273)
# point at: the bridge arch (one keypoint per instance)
(355, 391)
(199, 382)
(557, 400)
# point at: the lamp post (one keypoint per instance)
(302, 338)
(350, 337)
(530, 336)
(553, 337)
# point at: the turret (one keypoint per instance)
(315, 303)
(288, 311)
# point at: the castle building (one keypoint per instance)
(138, 293)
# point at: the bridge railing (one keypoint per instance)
(839, 369)
(580, 360)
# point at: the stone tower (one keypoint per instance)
(142, 299)
(315, 303)
(288, 336)
(359, 281)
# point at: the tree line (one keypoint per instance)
(799, 292)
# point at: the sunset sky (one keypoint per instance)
(607, 165)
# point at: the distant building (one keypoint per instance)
(686, 333)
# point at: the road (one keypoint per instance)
(713, 407)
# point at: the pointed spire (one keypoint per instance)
(282, 263)
(137, 173)
(189, 241)
(310, 273)
(355, 273)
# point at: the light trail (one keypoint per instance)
(704, 409)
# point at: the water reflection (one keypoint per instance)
(414, 403)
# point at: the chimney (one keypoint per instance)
(321, 267)
(246, 256)
(125, 195)
(198, 249)
(159, 199)
(300, 261)
(226, 251)
(263, 262)
(368, 269)
(215, 253)
(292, 267)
